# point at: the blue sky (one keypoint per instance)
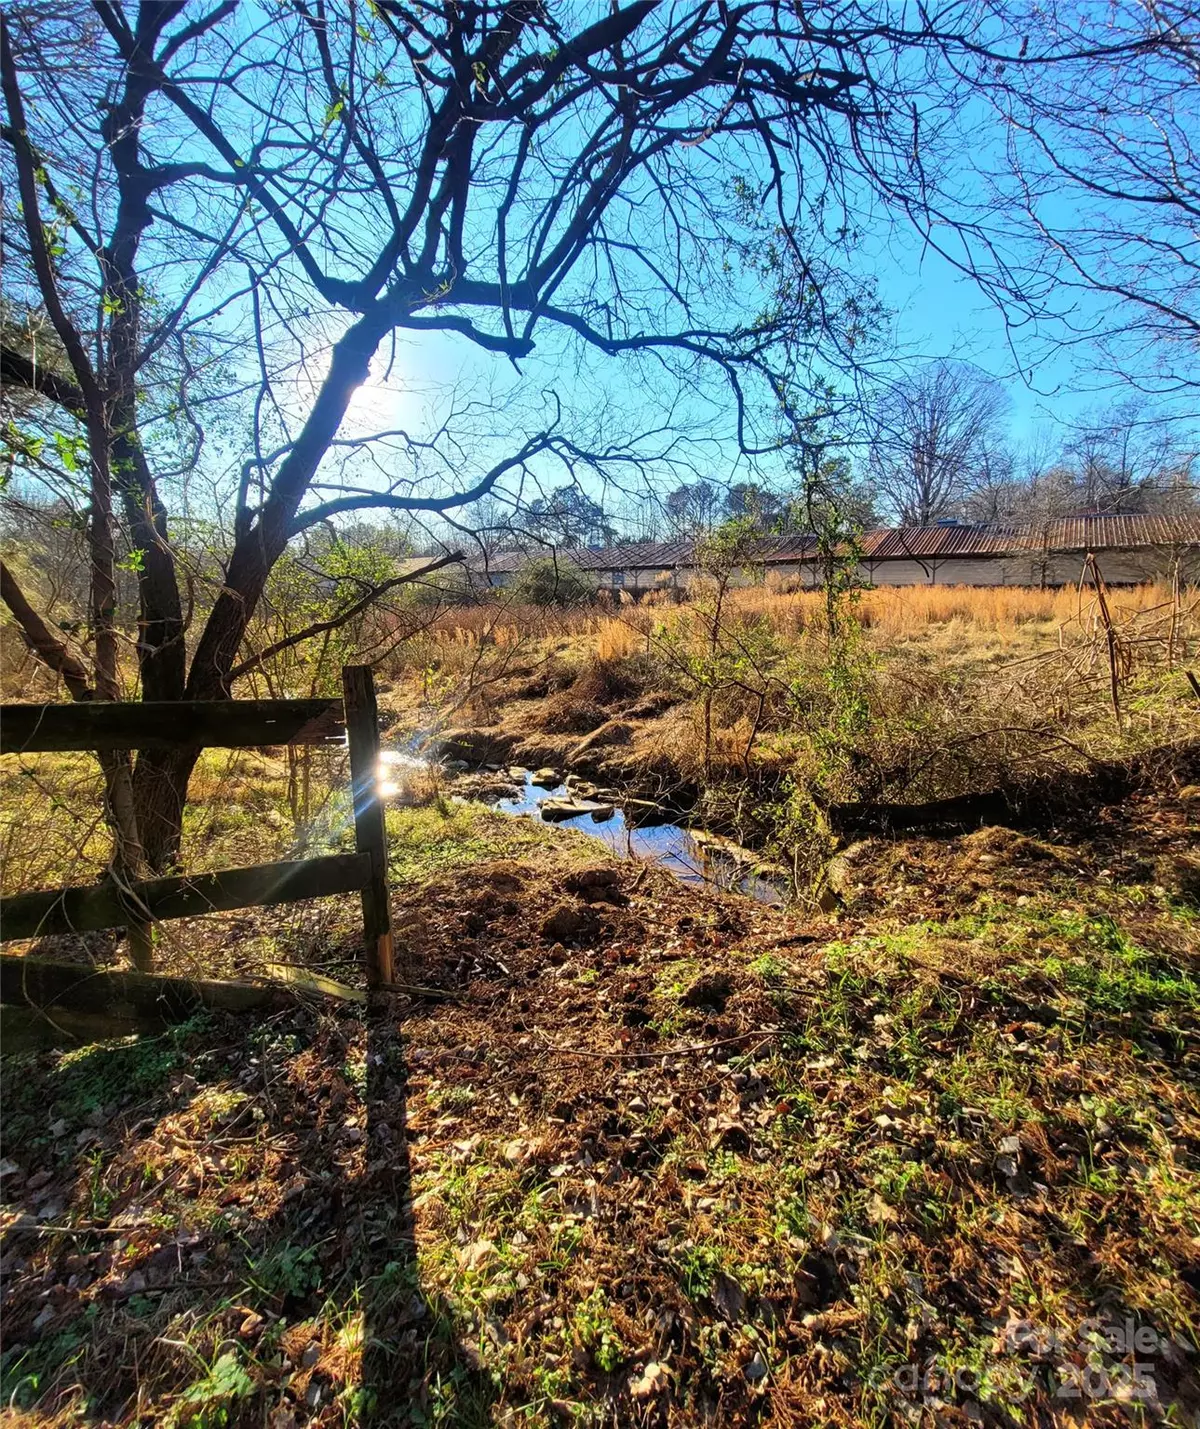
(937, 313)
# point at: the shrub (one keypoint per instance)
(603, 680)
(566, 715)
(549, 581)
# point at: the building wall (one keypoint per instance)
(1117, 568)
(1033, 569)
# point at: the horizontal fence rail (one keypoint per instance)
(105, 905)
(222, 724)
(131, 1000)
(169, 724)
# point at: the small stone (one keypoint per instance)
(756, 1368)
(557, 811)
(652, 1380)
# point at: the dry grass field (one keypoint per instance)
(899, 611)
(920, 1148)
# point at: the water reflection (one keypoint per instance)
(665, 843)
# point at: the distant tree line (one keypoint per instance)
(937, 449)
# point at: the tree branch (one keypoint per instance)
(20, 371)
(320, 627)
(39, 252)
(47, 646)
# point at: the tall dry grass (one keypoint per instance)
(895, 611)
(507, 624)
(957, 623)
(907, 610)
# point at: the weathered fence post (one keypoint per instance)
(362, 734)
(141, 946)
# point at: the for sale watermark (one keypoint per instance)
(1095, 1360)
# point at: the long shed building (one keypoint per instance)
(1128, 549)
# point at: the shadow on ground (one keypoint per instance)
(415, 1367)
(213, 1225)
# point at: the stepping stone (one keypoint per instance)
(558, 810)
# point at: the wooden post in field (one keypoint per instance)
(362, 734)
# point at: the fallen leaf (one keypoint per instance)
(880, 1212)
(472, 1256)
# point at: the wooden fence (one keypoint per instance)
(227, 724)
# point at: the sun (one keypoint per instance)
(386, 402)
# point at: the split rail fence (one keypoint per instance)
(226, 724)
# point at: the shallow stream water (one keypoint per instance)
(668, 844)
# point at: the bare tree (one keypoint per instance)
(994, 489)
(931, 436)
(569, 517)
(693, 507)
(1104, 177)
(1129, 460)
(280, 194)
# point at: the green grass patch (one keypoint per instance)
(82, 1081)
(423, 842)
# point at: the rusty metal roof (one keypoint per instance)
(1074, 533)
(941, 542)
(637, 556)
(1097, 533)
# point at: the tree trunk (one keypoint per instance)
(160, 783)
